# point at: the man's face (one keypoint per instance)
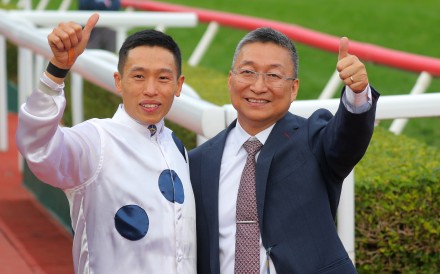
(149, 83)
(260, 104)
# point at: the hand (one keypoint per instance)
(68, 41)
(351, 70)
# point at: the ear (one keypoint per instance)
(229, 80)
(118, 78)
(180, 82)
(294, 90)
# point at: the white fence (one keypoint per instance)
(201, 117)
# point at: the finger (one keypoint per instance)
(75, 33)
(70, 35)
(357, 82)
(343, 48)
(348, 81)
(71, 57)
(93, 19)
(358, 86)
(55, 42)
(60, 38)
(83, 35)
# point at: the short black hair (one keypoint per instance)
(150, 38)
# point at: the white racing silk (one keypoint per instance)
(131, 201)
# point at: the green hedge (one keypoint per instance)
(397, 206)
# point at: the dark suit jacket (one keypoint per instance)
(299, 177)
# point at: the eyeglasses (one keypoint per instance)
(247, 76)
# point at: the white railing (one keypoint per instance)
(201, 117)
(19, 27)
(119, 21)
(203, 44)
(397, 126)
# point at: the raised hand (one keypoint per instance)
(351, 70)
(68, 40)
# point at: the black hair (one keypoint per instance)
(150, 38)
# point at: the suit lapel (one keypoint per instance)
(282, 132)
(210, 176)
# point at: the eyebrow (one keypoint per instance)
(252, 63)
(166, 70)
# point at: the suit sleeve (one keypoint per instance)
(341, 141)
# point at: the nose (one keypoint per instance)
(259, 86)
(150, 88)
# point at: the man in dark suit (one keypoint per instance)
(299, 169)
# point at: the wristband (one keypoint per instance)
(56, 71)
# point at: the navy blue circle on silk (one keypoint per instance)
(173, 192)
(131, 221)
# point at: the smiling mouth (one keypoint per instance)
(149, 105)
(256, 101)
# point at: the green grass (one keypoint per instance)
(396, 24)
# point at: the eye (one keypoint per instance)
(164, 78)
(138, 76)
(274, 76)
(247, 72)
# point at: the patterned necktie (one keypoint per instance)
(247, 238)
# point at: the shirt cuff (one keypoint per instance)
(49, 87)
(41, 102)
(357, 102)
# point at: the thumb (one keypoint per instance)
(93, 19)
(343, 48)
(73, 53)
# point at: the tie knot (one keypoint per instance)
(152, 129)
(252, 146)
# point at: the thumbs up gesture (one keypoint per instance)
(351, 70)
(68, 40)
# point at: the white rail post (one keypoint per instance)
(331, 87)
(203, 44)
(420, 87)
(64, 5)
(39, 67)
(42, 5)
(25, 82)
(345, 216)
(3, 97)
(25, 4)
(25, 74)
(121, 35)
(161, 28)
(76, 88)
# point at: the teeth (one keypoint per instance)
(149, 105)
(256, 101)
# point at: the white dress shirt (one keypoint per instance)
(232, 165)
(128, 214)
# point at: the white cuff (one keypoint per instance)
(49, 87)
(357, 102)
